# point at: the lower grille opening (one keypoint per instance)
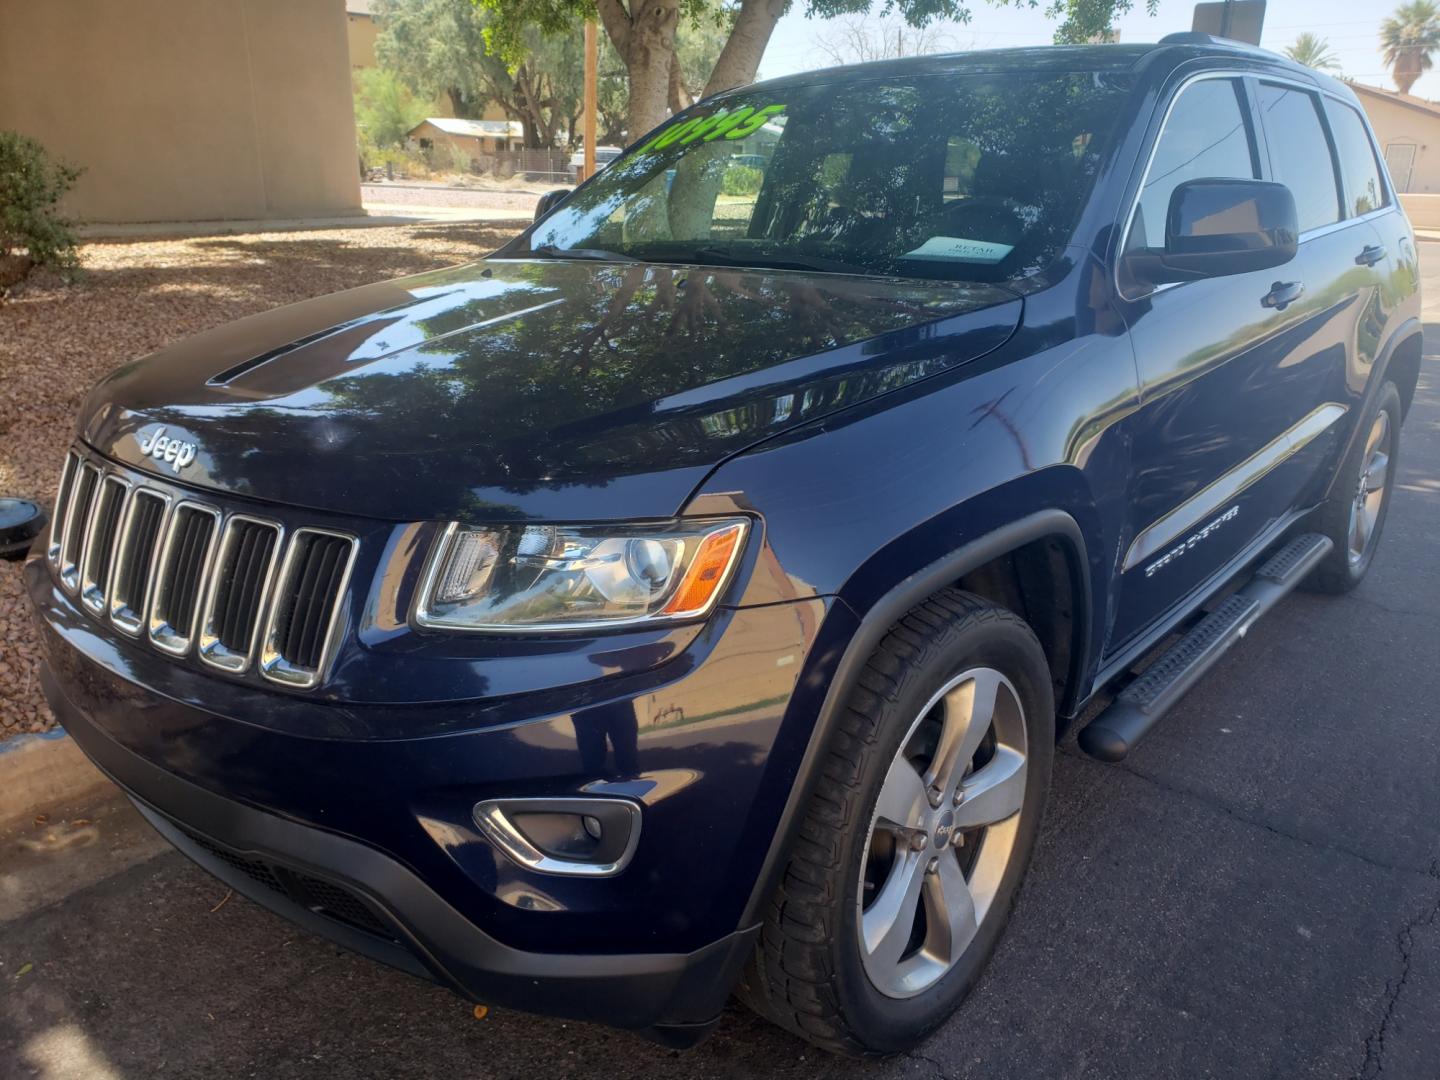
(315, 894)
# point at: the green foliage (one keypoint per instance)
(741, 180)
(32, 232)
(1314, 52)
(1408, 40)
(440, 47)
(385, 109)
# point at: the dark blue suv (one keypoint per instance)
(687, 599)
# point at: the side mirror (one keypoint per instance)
(550, 200)
(1221, 227)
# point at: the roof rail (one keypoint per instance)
(1194, 37)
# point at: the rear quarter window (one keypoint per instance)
(1300, 153)
(1358, 166)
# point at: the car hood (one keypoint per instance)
(515, 389)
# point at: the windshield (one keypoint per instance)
(975, 177)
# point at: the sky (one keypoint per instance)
(1352, 28)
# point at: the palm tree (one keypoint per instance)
(1409, 39)
(1313, 52)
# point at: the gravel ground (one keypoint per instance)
(136, 296)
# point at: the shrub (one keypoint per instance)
(741, 180)
(32, 232)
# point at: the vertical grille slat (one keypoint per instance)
(100, 543)
(77, 521)
(175, 594)
(239, 584)
(139, 538)
(62, 504)
(302, 619)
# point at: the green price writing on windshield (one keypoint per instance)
(732, 125)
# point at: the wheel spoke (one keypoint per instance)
(969, 709)
(1357, 531)
(887, 923)
(994, 792)
(1376, 474)
(902, 797)
(950, 910)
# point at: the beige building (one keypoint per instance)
(1408, 130)
(452, 139)
(362, 32)
(186, 110)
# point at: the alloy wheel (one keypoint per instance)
(1370, 489)
(943, 832)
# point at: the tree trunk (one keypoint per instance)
(679, 93)
(740, 58)
(644, 36)
(1407, 70)
(457, 101)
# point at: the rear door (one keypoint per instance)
(1240, 374)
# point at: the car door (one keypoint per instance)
(1239, 374)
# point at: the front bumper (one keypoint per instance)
(369, 841)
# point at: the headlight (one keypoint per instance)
(556, 577)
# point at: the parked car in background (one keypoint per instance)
(688, 597)
(603, 156)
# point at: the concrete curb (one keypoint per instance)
(41, 771)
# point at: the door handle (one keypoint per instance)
(1372, 254)
(1282, 294)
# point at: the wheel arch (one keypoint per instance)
(1053, 528)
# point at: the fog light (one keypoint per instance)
(578, 837)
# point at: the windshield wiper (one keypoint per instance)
(774, 262)
(550, 251)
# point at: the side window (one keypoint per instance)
(1300, 153)
(1363, 190)
(1206, 136)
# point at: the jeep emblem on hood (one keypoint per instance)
(163, 448)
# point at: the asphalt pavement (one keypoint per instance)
(1254, 893)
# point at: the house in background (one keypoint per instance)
(1408, 130)
(186, 110)
(361, 32)
(475, 140)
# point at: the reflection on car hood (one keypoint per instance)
(517, 389)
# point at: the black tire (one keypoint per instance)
(807, 973)
(1339, 572)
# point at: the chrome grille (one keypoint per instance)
(180, 575)
(300, 628)
(244, 570)
(192, 577)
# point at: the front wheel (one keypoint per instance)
(1354, 515)
(913, 846)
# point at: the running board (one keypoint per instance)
(1114, 733)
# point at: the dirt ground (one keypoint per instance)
(136, 296)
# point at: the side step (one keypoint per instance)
(1114, 733)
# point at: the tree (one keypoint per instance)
(1314, 52)
(644, 33)
(1408, 40)
(439, 46)
(385, 109)
(858, 39)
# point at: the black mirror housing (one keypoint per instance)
(549, 201)
(1216, 228)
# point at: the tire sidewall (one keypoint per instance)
(1009, 647)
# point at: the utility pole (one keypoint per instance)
(592, 51)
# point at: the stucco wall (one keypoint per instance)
(1395, 122)
(187, 110)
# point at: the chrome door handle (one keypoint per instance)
(1372, 254)
(1282, 294)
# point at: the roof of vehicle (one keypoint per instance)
(1168, 53)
